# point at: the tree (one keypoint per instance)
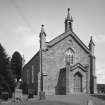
(16, 65)
(6, 76)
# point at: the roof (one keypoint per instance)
(63, 36)
(31, 59)
(60, 38)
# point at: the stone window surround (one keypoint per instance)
(70, 56)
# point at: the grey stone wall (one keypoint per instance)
(54, 60)
(35, 63)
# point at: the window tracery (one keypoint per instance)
(70, 56)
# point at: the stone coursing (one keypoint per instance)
(54, 60)
(60, 76)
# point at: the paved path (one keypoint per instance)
(80, 99)
(74, 99)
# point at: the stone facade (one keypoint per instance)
(55, 59)
(69, 65)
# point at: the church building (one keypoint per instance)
(68, 65)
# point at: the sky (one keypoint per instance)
(21, 20)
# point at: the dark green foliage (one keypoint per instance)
(6, 76)
(16, 65)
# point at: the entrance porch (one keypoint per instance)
(73, 81)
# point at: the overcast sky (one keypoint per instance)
(20, 23)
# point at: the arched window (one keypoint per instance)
(32, 74)
(27, 76)
(70, 56)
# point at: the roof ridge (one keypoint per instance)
(64, 35)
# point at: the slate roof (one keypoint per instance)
(63, 36)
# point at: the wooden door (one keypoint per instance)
(78, 82)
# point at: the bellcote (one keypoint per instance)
(68, 21)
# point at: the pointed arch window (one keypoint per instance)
(70, 56)
(32, 73)
(27, 76)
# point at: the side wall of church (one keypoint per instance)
(54, 60)
(29, 78)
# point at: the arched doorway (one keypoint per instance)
(77, 82)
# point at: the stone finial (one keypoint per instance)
(68, 10)
(42, 31)
(91, 40)
(68, 15)
(91, 46)
(42, 28)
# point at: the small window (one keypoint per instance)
(32, 74)
(27, 76)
